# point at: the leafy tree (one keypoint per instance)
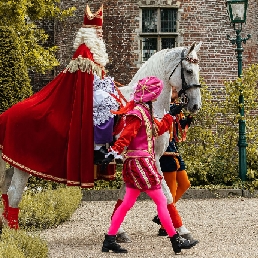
(14, 80)
(22, 45)
(23, 16)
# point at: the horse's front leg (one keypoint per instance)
(161, 144)
(164, 185)
(2, 169)
(15, 191)
(2, 178)
(5, 184)
(5, 181)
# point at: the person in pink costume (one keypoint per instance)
(139, 170)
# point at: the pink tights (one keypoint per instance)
(129, 200)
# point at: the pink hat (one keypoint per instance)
(148, 89)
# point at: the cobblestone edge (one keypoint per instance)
(112, 195)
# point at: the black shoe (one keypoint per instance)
(103, 150)
(156, 220)
(98, 156)
(162, 232)
(179, 243)
(111, 244)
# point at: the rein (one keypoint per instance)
(121, 96)
(185, 86)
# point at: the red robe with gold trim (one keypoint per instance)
(50, 134)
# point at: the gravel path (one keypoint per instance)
(225, 227)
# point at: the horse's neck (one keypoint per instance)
(161, 106)
(153, 67)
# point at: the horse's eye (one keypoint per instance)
(189, 71)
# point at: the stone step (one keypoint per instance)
(112, 195)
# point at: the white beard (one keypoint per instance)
(94, 43)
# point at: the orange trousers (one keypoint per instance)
(177, 182)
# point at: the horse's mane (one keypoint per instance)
(159, 65)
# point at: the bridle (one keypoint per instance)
(185, 86)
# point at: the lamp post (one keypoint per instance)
(237, 14)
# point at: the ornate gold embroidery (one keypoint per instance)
(87, 185)
(148, 129)
(91, 26)
(128, 154)
(108, 176)
(144, 88)
(171, 154)
(91, 16)
(143, 173)
(75, 183)
(85, 65)
(135, 181)
(36, 173)
(154, 172)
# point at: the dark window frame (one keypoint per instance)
(159, 35)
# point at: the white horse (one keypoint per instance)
(176, 67)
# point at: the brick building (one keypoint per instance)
(135, 29)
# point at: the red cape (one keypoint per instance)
(50, 134)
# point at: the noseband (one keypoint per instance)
(185, 87)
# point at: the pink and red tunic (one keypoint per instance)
(139, 170)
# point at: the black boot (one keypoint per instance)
(99, 155)
(111, 244)
(156, 220)
(162, 232)
(179, 243)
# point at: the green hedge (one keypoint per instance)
(43, 206)
(14, 80)
(48, 208)
(20, 244)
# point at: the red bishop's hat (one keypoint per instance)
(93, 20)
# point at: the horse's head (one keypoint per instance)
(182, 72)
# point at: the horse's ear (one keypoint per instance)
(190, 49)
(197, 48)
